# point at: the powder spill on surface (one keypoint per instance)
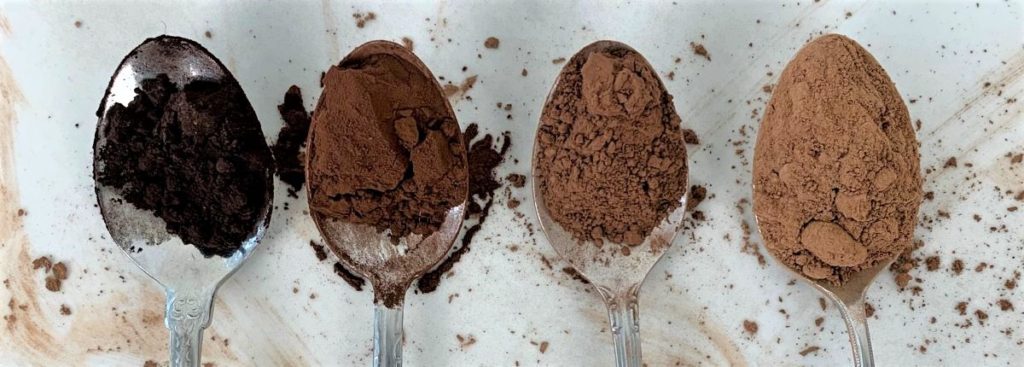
(291, 140)
(836, 168)
(484, 157)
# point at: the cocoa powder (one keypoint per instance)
(193, 155)
(611, 161)
(389, 152)
(836, 171)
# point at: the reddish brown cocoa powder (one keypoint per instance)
(837, 180)
(611, 161)
(393, 156)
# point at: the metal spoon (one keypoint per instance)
(390, 268)
(616, 277)
(188, 278)
(849, 299)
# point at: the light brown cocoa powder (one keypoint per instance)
(837, 180)
(611, 161)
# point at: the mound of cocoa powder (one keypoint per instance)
(194, 155)
(611, 160)
(389, 152)
(837, 180)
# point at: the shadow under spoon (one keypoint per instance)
(189, 272)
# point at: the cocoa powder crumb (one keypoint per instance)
(932, 263)
(1005, 305)
(697, 195)
(543, 347)
(492, 43)
(690, 137)
(349, 277)
(407, 42)
(318, 250)
(150, 363)
(982, 316)
(517, 180)
(42, 262)
(809, 350)
(869, 309)
(699, 50)
(750, 327)
(65, 310)
(951, 162)
(961, 307)
(957, 267)
(834, 198)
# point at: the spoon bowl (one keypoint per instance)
(189, 278)
(616, 276)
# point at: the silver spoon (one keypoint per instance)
(849, 299)
(390, 268)
(617, 278)
(189, 279)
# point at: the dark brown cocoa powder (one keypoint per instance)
(291, 168)
(194, 155)
(611, 160)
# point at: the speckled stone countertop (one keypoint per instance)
(958, 65)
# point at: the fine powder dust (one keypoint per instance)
(611, 160)
(388, 151)
(836, 172)
(194, 156)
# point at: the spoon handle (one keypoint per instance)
(187, 315)
(387, 336)
(624, 314)
(857, 327)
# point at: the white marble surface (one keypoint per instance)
(940, 55)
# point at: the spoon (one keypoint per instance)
(617, 278)
(189, 278)
(849, 299)
(390, 267)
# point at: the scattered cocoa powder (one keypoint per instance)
(611, 161)
(836, 168)
(407, 42)
(291, 140)
(385, 150)
(809, 350)
(65, 310)
(484, 157)
(933, 263)
(961, 307)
